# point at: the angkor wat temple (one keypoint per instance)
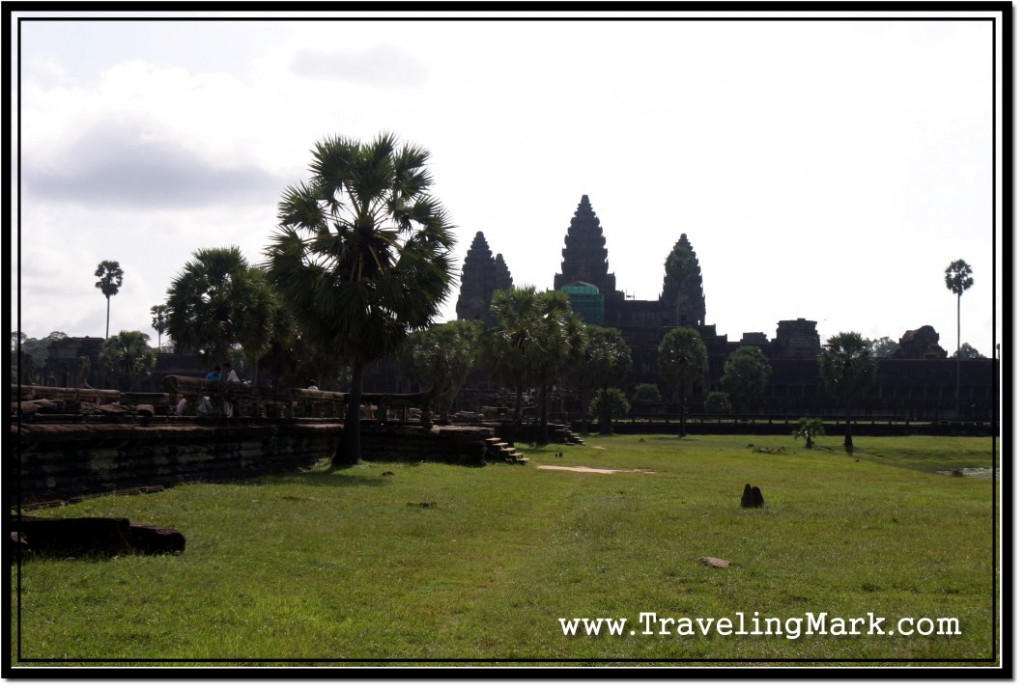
(917, 381)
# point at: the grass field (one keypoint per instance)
(437, 562)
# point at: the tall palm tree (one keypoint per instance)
(561, 341)
(848, 369)
(361, 256)
(441, 358)
(603, 363)
(218, 301)
(682, 358)
(536, 338)
(159, 323)
(958, 279)
(504, 350)
(111, 277)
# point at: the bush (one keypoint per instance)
(717, 403)
(608, 405)
(646, 392)
(808, 428)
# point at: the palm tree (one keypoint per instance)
(958, 279)
(808, 428)
(603, 363)
(159, 323)
(219, 301)
(848, 370)
(127, 357)
(111, 276)
(362, 256)
(682, 357)
(441, 357)
(502, 350)
(536, 338)
(561, 340)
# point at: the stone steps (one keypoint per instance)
(499, 451)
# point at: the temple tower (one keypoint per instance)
(584, 258)
(683, 291)
(502, 276)
(482, 274)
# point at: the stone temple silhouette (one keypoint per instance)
(917, 381)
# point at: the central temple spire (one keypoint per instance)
(585, 258)
(683, 291)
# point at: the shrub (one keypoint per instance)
(808, 428)
(717, 403)
(646, 392)
(607, 405)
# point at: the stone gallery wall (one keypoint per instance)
(59, 461)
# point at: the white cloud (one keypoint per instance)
(381, 66)
(124, 165)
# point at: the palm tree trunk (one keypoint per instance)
(108, 317)
(957, 392)
(257, 405)
(584, 412)
(848, 441)
(348, 447)
(682, 412)
(606, 418)
(542, 434)
(517, 414)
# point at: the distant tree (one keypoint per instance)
(682, 358)
(441, 357)
(968, 352)
(745, 377)
(883, 347)
(34, 350)
(561, 343)
(361, 257)
(646, 392)
(603, 363)
(111, 277)
(127, 358)
(159, 323)
(958, 280)
(808, 428)
(609, 404)
(717, 403)
(848, 370)
(18, 352)
(219, 301)
(502, 350)
(536, 339)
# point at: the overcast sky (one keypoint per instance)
(829, 170)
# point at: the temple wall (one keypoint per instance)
(56, 461)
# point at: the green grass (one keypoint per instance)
(347, 564)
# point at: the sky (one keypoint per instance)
(827, 170)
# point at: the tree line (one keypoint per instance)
(356, 271)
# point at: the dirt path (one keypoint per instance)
(585, 469)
